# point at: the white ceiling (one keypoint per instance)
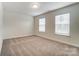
(26, 7)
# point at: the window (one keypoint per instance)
(62, 24)
(42, 24)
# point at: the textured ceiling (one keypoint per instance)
(26, 7)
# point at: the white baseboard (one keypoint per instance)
(17, 36)
(68, 43)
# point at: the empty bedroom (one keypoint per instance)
(39, 29)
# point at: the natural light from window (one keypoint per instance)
(42, 24)
(62, 24)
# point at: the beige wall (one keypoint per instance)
(1, 19)
(73, 39)
(17, 24)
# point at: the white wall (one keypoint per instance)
(1, 15)
(73, 39)
(17, 24)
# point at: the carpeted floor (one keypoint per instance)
(36, 46)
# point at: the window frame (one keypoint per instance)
(43, 24)
(62, 24)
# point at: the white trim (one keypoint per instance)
(17, 36)
(65, 42)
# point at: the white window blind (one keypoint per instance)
(62, 24)
(42, 24)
